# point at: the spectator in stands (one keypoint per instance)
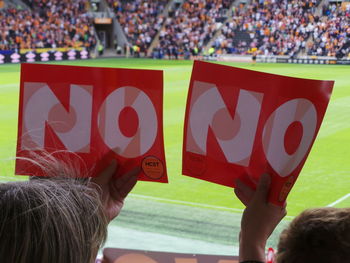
(51, 24)
(317, 235)
(275, 27)
(332, 33)
(193, 25)
(60, 219)
(141, 20)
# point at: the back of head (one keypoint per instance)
(54, 220)
(317, 235)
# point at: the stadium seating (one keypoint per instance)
(141, 20)
(48, 24)
(274, 27)
(332, 34)
(267, 27)
(191, 27)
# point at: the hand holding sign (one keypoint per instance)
(86, 112)
(241, 124)
(114, 191)
(254, 233)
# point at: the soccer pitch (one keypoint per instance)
(196, 209)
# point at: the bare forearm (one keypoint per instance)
(251, 251)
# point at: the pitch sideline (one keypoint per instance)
(235, 210)
(341, 199)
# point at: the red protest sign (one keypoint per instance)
(241, 123)
(87, 112)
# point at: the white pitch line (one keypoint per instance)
(339, 200)
(186, 203)
(11, 85)
(236, 210)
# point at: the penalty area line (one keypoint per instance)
(341, 199)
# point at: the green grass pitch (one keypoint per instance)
(323, 181)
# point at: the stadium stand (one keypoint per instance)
(182, 29)
(292, 28)
(331, 36)
(273, 27)
(141, 20)
(47, 24)
(230, 40)
(191, 27)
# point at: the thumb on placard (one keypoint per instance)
(263, 187)
(105, 176)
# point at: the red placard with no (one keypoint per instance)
(241, 123)
(86, 112)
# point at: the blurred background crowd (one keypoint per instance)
(185, 28)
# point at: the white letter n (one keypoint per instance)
(234, 135)
(72, 126)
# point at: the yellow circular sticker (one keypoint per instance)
(286, 189)
(152, 167)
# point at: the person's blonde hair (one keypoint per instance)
(55, 220)
(319, 235)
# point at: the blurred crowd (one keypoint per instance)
(49, 24)
(274, 27)
(266, 27)
(189, 28)
(140, 19)
(285, 27)
(332, 33)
